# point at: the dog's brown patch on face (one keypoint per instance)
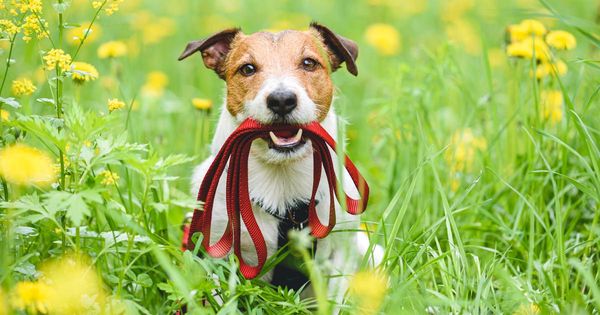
(278, 55)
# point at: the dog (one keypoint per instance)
(284, 78)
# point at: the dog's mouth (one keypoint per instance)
(285, 140)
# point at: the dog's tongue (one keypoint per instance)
(285, 133)
(285, 137)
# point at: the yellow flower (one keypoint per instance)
(202, 103)
(26, 166)
(525, 29)
(462, 32)
(547, 68)
(32, 25)
(82, 72)
(368, 290)
(533, 27)
(551, 102)
(23, 87)
(34, 6)
(76, 35)
(153, 28)
(8, 27)
(3, 304)
(115, 104)
(527, 309)
(4, 115)
(460, 155)
(75, 286)
(455, 9)
(112, 49)
(384, 37)
(31, 297)
(56, 58)
(561, 40)
(109, 178)
(528, 47)
(110, 7)
(156, 82)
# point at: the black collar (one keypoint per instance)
(296, 216)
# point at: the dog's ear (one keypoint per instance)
(214, 49)
(342, 49)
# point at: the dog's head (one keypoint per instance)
(278, 78)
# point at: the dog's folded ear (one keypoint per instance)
(341, 48)
(214, 49)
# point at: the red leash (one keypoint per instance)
(235, 151)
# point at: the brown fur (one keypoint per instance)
(278, 54)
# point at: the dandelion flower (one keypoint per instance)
(202, 103)
(75, 286)
(368, 289)
(112, 49)
(77, 34)
(156, 81)
(525, 29)
(561, 40)
(23, 87)
(82, 72)
(31, 297)
(529, 47)
(464, 145)
(552, 105)
(109, 178)
(56, 58)
(4, 115)
(547, 68)
(115, 104)
(462, 32)
(384, 37)
(26, 166)
(533, 27)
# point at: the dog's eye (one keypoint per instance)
(247, 70)
(309, 64)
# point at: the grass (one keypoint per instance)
(506, 221)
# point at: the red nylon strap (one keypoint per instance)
(234, 154)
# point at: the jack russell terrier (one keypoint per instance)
(284, 78)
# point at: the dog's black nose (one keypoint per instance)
(282, 102)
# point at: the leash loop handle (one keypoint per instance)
(233, 156)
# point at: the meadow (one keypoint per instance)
(475, 122)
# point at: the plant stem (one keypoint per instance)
(59, 108)
(10, 52)
(85, 36)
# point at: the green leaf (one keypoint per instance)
(144, 280)
(75, 204)
(10, 101)
(44, 100)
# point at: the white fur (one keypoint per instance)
(277, 181)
